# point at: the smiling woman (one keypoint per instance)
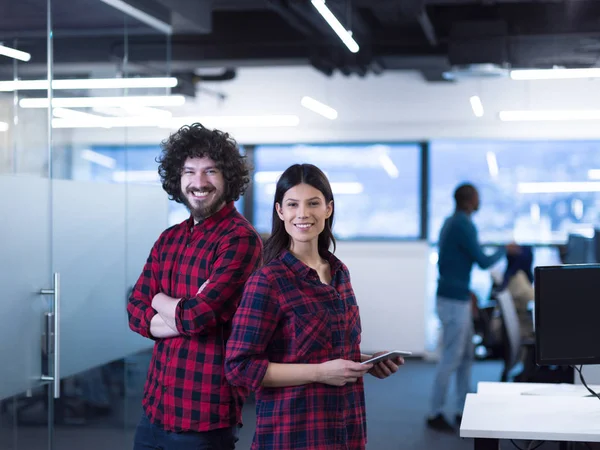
(296, 336)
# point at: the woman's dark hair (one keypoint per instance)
(197, 141)
(293, 176)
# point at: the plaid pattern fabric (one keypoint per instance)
(186, 389)
(288, 316)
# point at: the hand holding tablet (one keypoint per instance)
(386, 356)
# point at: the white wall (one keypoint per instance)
(389, 280)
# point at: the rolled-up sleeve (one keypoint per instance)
(254, 323)
(237, 258)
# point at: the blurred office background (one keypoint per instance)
(429, 100)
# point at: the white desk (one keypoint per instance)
(499, 411)
(498, 388)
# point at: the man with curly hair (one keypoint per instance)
(188, 292)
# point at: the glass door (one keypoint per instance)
(30, 291)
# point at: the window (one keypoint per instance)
(135, 164)
(376, 187)
(531, 191)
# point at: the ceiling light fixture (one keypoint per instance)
(128, 111)
(94, 102)
(334, 23)
(319, 108)
(555, 115)
(79, 116)
(554, 74)
(89, 83)
(177, 122)
(3, 126)
(476, 105)
(492, 163)
(14, 53)
(239, 121)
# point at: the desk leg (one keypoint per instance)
(486, 444)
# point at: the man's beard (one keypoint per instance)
(205, 209)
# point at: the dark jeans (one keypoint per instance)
(151, 437)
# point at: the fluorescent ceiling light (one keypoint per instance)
(14, 53)
(128, 111)
(65, 113)
(92, 102)
(594, 174)
(99, 158)
(3, 126)
(106, 122)
(476, 105)
(522, 116)
(140, 15)
(177, 122)
(388, 165)
(238, 121)
(319, 108)
(554, 74)
(89, 83)
(343, 34)
(492, 163)
(79, 116)
(553, 187)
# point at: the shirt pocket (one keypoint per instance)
(312, 334)
(353, 321)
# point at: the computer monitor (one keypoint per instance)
(567, 314)
(597, 245)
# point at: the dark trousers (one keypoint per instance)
(151, 437)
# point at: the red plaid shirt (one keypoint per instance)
(186, 389)
(288, 316)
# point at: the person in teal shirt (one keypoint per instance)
(459, 249)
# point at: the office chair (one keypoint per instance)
(513, 342)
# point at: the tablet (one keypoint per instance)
(386, 356)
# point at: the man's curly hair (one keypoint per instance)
(197, 141)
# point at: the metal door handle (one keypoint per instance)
(53, 332)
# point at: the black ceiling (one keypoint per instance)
(426, 35)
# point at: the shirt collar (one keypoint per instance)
(212, 221)
(302, 269)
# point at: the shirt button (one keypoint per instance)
(164, 389)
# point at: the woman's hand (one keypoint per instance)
(386, 368)
(339, 372)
